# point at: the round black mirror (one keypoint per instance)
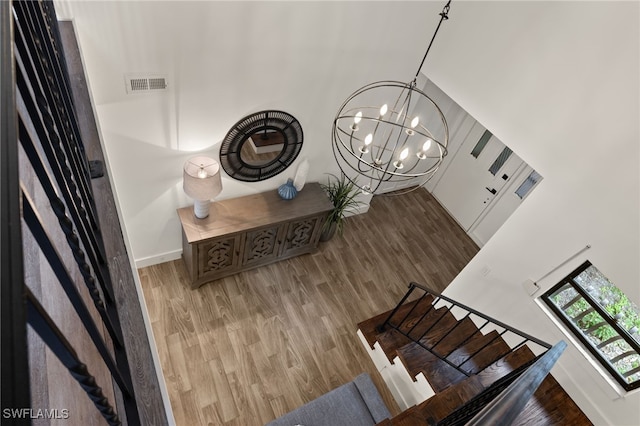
(261, 145)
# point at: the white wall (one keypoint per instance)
(225, 60)
(556, 81)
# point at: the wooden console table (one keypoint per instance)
(246, 232)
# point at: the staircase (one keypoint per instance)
(464, 359)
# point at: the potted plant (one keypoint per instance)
(342, 192)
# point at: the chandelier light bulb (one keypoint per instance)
(383, 110)
(368, 139)
(356, 120)
(422, 154)
(404, 154)
(414, 123)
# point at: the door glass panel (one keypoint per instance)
(531, 180)
(482, 142)
(502, 158)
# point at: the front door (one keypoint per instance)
(480, 170)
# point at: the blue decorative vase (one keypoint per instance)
(287, 191)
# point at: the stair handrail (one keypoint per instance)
(468, 410)
(507, 406)
(504, 399)
(413, 285)
(436, 298)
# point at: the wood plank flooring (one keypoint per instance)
(248, 348)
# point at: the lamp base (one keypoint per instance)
(201, 208)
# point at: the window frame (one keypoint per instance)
(531, 181)
(582, 337)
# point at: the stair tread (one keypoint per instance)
(505, 365)
(551, 405)
(484, 350)
(409, 417)
(443, 403)
(392, 339)
(370, 326)
(438, 373)
(444, 341)
(430, 325)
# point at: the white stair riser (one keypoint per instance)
(406, 391)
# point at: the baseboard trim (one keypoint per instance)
(176, 254)
(159, 258)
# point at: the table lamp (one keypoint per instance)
(202, 182)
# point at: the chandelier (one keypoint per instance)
(390, 132)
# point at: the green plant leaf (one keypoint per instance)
(342, 192)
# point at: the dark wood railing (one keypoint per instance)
(14, 360)
(45, 183)
(507, 406)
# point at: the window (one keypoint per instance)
(526, 186)
(482, 142)
(500, 160)
(601, 316)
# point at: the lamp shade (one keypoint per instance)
(201, 178)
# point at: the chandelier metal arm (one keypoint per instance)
(405, 108)
(444, 15)
(356, 154)
(387, 142)
(401, 117)
(352, 149)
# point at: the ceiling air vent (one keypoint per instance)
(145, 83)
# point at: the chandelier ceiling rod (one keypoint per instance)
(444, 15)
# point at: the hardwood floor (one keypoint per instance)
(248, 348)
